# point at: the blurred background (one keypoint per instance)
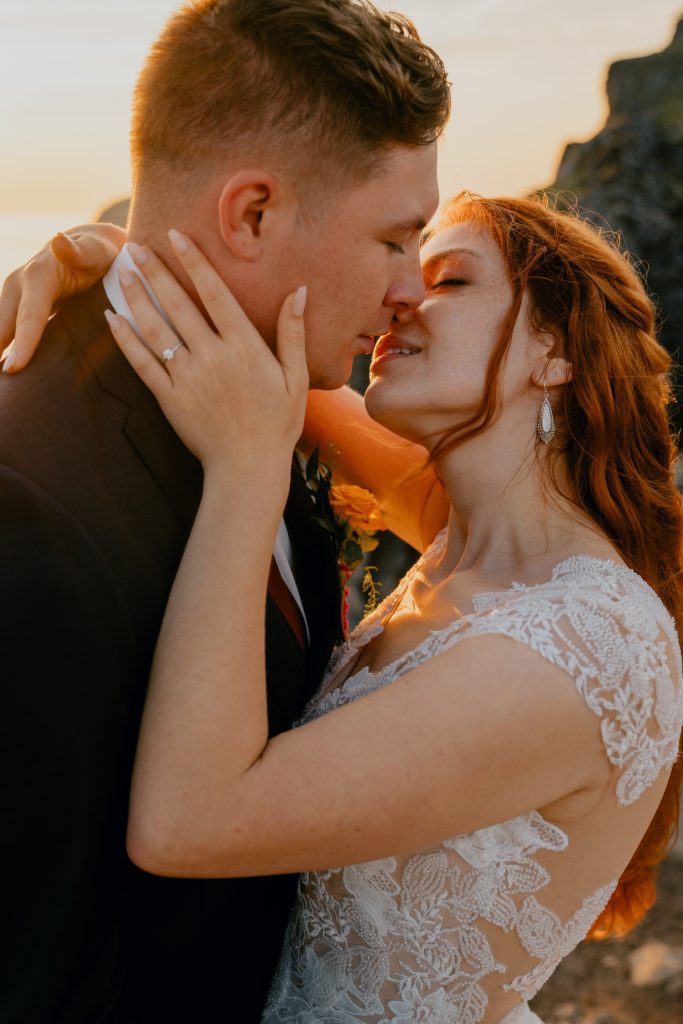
(583, 99)
(528, 76)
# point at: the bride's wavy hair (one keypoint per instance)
(614, 451)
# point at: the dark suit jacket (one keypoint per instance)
(97, 498)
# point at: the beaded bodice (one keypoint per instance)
(466, 931)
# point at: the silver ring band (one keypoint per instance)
(169, 353)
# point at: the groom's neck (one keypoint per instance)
(150, 220)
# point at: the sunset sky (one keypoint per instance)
(528, 76)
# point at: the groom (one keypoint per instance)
(294, 141)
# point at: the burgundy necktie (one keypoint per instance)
(284, 599)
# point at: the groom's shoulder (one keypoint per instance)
(65, 356)
(59, 413)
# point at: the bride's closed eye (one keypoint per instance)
(447, 282)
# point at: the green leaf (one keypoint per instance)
(312, 464)
(324, 507)
(325, 523)
(351, 553)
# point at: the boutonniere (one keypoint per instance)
(352, 516)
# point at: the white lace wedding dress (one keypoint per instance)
(468, 930)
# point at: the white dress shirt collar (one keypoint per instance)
(282, 551)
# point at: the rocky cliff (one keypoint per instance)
(630, 175)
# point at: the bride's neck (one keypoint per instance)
(506, 517)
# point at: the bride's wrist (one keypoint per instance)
(263, 483)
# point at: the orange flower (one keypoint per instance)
(357, 506)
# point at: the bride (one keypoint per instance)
(488, 771)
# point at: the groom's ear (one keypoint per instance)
(249, 205)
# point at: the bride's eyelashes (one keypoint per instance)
(396, 247)
(447, 282)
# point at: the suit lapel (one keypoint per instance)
(316, 573)
(177, 472)
(179, 475)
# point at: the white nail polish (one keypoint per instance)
(178, 241)
(137, 252)
(9, 361)
(299, 303)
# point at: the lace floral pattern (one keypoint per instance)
(428, 937)
(544, 936)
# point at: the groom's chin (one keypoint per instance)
(329, 378)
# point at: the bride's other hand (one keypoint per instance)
(234, 403)
(71, 262)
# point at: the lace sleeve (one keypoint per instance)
(609, 631)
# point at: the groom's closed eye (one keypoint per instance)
(402, 233)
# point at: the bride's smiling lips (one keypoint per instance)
(391, 347)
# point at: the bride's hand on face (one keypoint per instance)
(235, 404)
(70, 263)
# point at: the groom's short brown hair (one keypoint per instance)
(321, 85)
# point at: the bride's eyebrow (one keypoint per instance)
(446, 254)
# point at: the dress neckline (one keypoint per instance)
(482, 602)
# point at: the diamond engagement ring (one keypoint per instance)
(169, 353)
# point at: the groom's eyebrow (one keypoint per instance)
(411, 225)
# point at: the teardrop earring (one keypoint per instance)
(546, 421)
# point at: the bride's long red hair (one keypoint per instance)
(614, 451)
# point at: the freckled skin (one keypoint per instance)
(468, 294)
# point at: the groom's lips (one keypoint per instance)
(367, 344)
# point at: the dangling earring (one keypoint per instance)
(546, 420)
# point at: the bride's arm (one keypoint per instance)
(71, 262)
(362, 452)
(482, 733)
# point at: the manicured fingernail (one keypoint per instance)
(9, 361)
(111, 319)
(178, 241)
(299, 303)
(138, 253)
(126, 277)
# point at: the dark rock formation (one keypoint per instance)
(628, 178)
(630, 175)
(115, 214)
